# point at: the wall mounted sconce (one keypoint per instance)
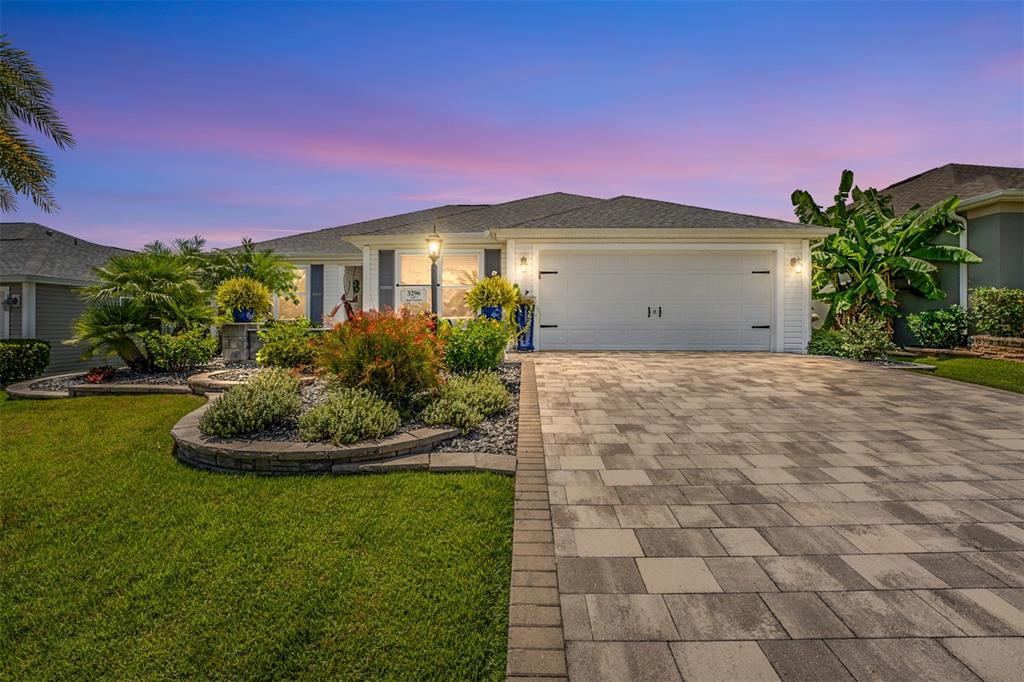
(797, 264)
(522, 265)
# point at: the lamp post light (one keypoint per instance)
(434, 243)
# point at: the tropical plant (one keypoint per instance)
(286, 343)
(244, 293)
(163, 284)
(940, 328)
(25, 99)
(479, 345)
(998, 311)
(270, 398)
(494, 291)
(22, 359)
(348, 415)
(99, 375)
(875, 253)
(113, 327)
(397, 357)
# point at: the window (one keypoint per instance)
(286, 309)
(459, 272)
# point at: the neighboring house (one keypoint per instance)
(622, 273)
(992, 202)
(40, 268)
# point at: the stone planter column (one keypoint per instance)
(239, 342)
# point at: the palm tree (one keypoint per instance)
(874, 253)
(25, 95)
(113, 327)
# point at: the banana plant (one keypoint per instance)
(874, 253)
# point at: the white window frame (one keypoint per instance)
(305, 302)
(479, 253)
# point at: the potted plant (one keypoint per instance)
(245, 298)
(494, 297)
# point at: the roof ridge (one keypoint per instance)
(597, 200)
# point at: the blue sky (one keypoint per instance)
(232, 119)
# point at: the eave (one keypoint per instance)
(663, 234)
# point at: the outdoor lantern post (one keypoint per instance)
(434, 243)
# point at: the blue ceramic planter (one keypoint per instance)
(492, 312)
(243, 314)
(524, 320)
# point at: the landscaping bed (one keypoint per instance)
(126, 376)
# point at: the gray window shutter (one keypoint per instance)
(316, 294)
(492, 261)
(386, 280)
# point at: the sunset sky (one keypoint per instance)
(265, 119)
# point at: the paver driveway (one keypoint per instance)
(755, 516)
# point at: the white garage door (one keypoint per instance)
(667, 300)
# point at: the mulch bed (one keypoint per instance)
(127, 376)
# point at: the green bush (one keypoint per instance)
(867, 337)
(22, 359)
(998, 312)
(271, 397)
(940, 328)
(396, 357)
(465, 401)
(480, 345)
(244, 293)
(348, 415)
(181, 352)
(826, 342)
(286, 343)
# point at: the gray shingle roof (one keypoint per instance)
(964, 180)
(31, 250)
(634, 212)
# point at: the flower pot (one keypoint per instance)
(492, 312)
(524, 321)
(243, 314)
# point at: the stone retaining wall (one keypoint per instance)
(1004, 347)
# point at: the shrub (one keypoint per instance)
(939, 328)
(867, 337)
(22, 359)
(826, 342)
(271, 397)
(181, 352)
(113, 327)
(98, 375)
(493, 291)
(396, 357)
(244, 293)
(286, 343)
(998, 311)
(480, 345)
(466, 400)
(348, 415)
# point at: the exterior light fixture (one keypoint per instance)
(797, 265)
(522, 265)
(434, 243)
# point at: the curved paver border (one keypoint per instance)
(199, 384)
(204, 383)
(402, 451)
(23, 390)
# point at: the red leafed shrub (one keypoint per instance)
(396, 356)
(97, 375)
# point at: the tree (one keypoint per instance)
(265, 266)
(25, 95)
(874, 253)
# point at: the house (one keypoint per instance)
(992, 202)
(40, 268)
(621, 273)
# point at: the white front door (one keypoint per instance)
(664, 300)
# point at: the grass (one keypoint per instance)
(118, 562)
(1004, 374)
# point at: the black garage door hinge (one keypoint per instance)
(549, 326)
(548, 272)
(760, 326)
(760, 272)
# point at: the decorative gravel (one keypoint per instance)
(495, 435)
(127, 376)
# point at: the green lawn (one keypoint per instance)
(1005, 374)
(118, 562)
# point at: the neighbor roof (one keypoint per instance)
(30, 251)
(963, 180)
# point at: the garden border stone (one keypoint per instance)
(23, 390)
(402, 451)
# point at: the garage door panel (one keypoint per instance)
(708, 300)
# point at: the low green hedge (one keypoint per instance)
(349, 415)
(270, 398)
(22, 359)
(998, 311)
(466, 400)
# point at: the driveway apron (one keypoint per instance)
(765, 516)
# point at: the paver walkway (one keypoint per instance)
(756, 516)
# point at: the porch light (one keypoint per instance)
(797, 265)
(434, 242)
(522, 265)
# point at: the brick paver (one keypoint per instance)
(754, 516)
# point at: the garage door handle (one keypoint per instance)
(760, 326)
(549, 326)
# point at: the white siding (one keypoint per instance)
(371, 271)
